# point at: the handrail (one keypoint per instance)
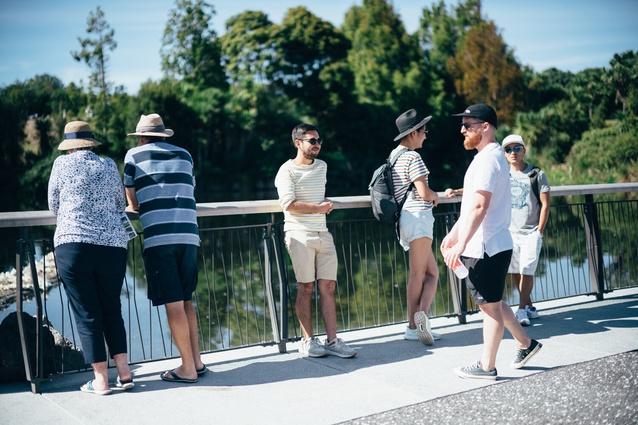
(210, 209)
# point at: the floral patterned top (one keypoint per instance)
(87, 195)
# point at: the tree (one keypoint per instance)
(248, 47)
(485, 71)
(382, 55)
(95, 50)
(623, 77)
(190, 48)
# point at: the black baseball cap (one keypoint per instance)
(480, 111)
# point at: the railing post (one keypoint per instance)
(33, 378)
(282, 272)
(267, 236)
(594, 248)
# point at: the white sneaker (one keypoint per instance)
(435, 335)
(423, 328)
(312, 348)
(337, 347)
(532, 313)
(521, 316)
(410, 334)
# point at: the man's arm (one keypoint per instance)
(131, 196)
(299, 207)
(480, 203)
(542, 222)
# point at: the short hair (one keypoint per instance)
(300, 130)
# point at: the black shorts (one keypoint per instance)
(171, 273)
(486, 278)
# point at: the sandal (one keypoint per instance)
(88, 388)
(124, 385)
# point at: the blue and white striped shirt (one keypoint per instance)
(162, 175)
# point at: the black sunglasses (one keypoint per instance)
(516, 149)
(313, 141)
(468, 125)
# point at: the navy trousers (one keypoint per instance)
(93, 276)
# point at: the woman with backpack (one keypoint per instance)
(416, 223)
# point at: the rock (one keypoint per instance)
(59, 354)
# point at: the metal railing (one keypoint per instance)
(246, 292)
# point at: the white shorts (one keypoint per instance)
(415, 225)
(526, 252)
(313, 255)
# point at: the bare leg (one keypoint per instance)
(121, 364)
(327, 306)
(194, 337)
(303, 307)
(420, 250)
(515, 328)
(492, 333)
(429, 284)
(180, 329)
(526, 283)
(101, 380)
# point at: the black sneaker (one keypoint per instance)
(523, 355)
(476, 371)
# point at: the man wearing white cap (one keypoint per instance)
(530, 211)
(160, 184)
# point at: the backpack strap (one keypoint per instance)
(391, 162)
(533, 176)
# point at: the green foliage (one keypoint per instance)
(190, 48)
(95, 50)
(233, 100)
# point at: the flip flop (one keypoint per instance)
(88, 388)
(124, 385)
(202, 371)
(173, 377)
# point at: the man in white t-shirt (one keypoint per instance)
(301, 186)
(481, 240)
(530, 211)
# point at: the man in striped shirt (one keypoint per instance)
(301, 185)
(160, 184)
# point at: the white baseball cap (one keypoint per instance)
(513, 139)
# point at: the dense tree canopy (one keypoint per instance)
(233, 100)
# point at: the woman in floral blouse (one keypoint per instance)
(87, 195)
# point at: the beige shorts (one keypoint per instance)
(526, 253)
(313, 255)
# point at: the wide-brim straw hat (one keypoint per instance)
(151, 126)
(78, 134)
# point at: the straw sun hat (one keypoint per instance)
(151, 126)
(78, 134)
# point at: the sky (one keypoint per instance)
(37, 36)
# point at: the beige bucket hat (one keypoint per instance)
(153, 126)
(78, 134)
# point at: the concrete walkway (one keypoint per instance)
(586, 372)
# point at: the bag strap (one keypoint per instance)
(533, 175)
(391, 161)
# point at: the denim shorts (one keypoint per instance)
(414, 225)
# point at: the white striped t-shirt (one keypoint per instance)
(408, 168)
(303, 183)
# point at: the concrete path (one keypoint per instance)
(586, 372)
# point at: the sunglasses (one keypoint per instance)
(313, 141)
(516, 149)
(468, 125)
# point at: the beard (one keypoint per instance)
(310, 153)
(472, 140)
